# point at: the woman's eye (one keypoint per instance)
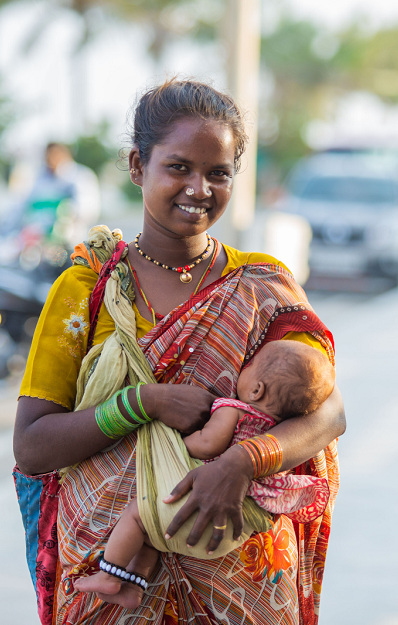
(179, 167)
(221, 174)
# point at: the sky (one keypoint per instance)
(59, 94)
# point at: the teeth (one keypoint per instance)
(192, 209)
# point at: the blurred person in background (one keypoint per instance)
(52, 208)
(64, 201)
(183, 314)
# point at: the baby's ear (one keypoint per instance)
(258, 391)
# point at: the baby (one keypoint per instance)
(285, 379)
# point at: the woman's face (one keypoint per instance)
(197, 154)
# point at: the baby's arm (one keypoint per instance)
(213, 440)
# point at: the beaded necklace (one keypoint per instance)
(185, 276)
(158, 316)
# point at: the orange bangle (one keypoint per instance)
(251, 447)
(265, 453)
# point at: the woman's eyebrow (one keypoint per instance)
(176, 157)
(224, 166)
(181, 159)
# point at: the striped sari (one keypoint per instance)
(274, 577)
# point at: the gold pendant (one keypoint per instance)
(185, 277)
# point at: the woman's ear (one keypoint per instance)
(135, 167)
(258, 391)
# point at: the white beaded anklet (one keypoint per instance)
(121, 573)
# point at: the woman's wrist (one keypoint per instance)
(265, 454)
(239, 460)
(147, 394)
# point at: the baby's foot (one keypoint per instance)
(129, 596)
(100, 583)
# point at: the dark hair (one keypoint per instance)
(299, 377)
(160, 107)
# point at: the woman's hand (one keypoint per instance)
(218, 491)
(185, 408)
(48, 436)
(218, 488)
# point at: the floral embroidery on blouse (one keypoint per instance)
(75, 327)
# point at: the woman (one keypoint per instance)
(186, 147)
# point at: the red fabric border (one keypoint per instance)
(97, 295)
(47, 556)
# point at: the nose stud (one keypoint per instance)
(189, 191)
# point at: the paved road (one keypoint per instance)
(17, 598)
(360, 585)
(361, 574)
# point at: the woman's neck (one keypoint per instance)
(171, 249)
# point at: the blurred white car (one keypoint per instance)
(351, 202)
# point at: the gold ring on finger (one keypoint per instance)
(219, 527)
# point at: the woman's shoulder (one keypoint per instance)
(77, 276)
(60, 339)
(236, 258)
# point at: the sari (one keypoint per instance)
(275, 577)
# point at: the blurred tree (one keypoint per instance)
(372, 62)
(164, 19)
(306, 71)
(295, 74)
(93, 150)
(131, 191)
(7, 116)
(305, 68)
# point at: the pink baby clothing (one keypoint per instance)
(303, 498)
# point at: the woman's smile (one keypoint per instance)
(187, 182)
(195, 211)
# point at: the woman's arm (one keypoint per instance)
(218, 488)
(48, 437)
(301, 438)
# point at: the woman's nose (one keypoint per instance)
(201, 189)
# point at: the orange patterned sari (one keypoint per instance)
(274, 577)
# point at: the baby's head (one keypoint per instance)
(286, 379)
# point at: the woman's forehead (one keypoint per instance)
(194, 138)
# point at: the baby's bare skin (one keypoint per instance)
(113, 589)
(129, 536)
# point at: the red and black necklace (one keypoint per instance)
(201, 281)
(185, 276)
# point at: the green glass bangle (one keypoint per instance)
(111, 421)
(137, 392)
(129, 409)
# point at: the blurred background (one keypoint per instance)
(318, 189)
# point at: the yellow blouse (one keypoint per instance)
(60, 340)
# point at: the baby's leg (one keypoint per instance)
(124, 543)
(130, 595)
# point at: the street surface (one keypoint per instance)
(360, 585)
